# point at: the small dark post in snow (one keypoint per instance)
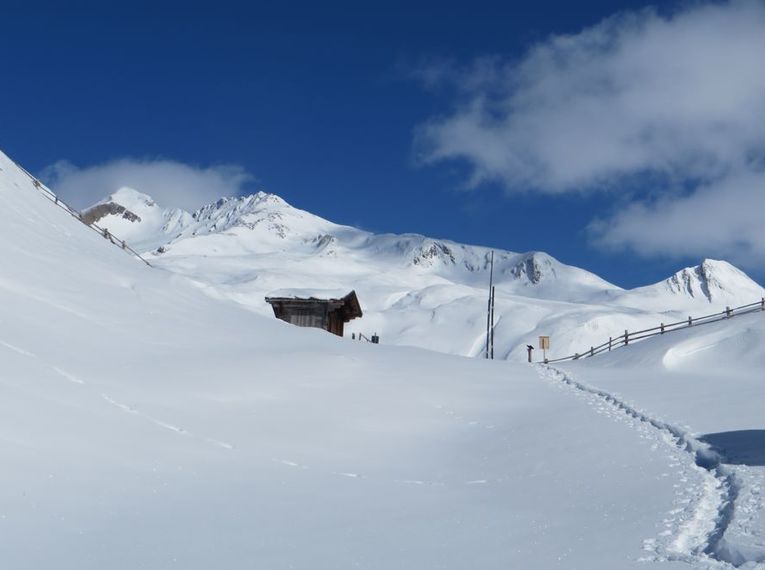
(762, 303)
(353, 336)
(690, 321)
(626, 338)
(610, 341)
(662, 328)
(727, 312)
(529, 348)
(592, 351)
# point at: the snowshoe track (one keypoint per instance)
(700, 539)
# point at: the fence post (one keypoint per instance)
(576, 356)
(592, 351)
(609, 344)
(626, 338)
(727, 312)
(690, 321)
(662, 328)
(762, 304)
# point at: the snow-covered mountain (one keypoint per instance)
(415, 290)
(136, 218)
(712, 281)
(265, 224)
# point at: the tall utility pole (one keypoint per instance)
(489, 316)
(492, 322)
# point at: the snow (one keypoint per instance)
(707, 382)
(420, 291)
(149, 421)
(310, 293)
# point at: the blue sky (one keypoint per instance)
(400, 118)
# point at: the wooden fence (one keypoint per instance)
(635, 336)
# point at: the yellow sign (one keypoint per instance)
(544, 342)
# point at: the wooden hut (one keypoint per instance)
(313, 311)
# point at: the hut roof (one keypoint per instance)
(346, 303)
(308, 293)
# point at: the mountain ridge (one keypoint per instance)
(416, 289)
(270, 212)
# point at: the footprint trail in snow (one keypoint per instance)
(707, 491)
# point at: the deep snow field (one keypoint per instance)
(146, 424)
(706, 385)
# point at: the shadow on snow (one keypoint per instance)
(743, 447)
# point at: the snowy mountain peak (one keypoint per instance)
(534, 267)
(136, 217)
(126, 203)
(712, 282)
(432, 253)
(710, 279)
(267, 215)
(240, 206)
(130, 197)
(227, 212)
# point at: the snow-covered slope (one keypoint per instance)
(702, 388)
(144, 424)
(416, 290)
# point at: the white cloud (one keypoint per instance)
(170, 183)
(723, 218)
(681, 95)
(676, 100)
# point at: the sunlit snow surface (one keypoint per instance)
(707, 383)
(144, 424)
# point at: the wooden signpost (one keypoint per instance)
(544, 344)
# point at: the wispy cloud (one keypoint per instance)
(170, 183)
(719, 219)
(641, 100)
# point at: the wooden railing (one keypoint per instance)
(635, 336)
(45, 191)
